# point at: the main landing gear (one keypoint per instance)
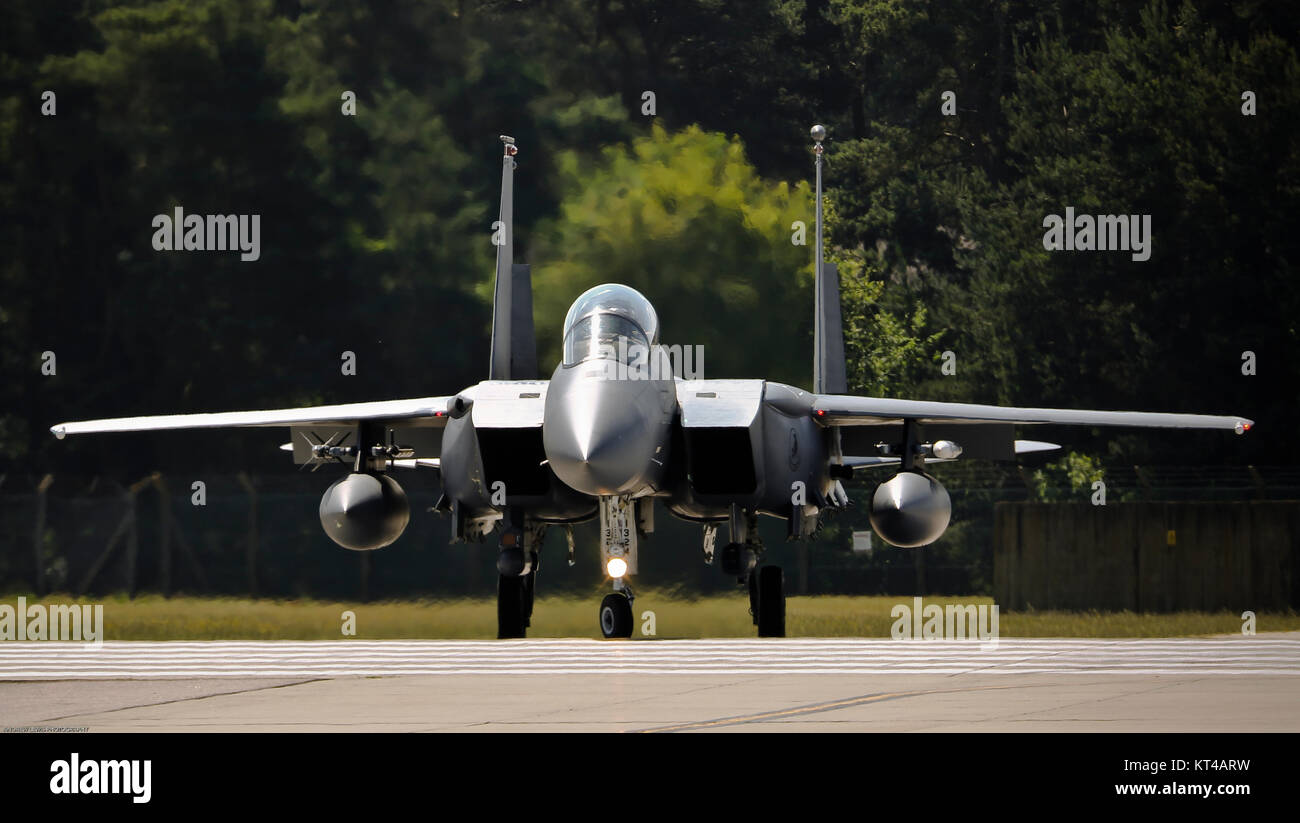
(515, 604)
(766, 584)
(517, 563)
(767, 600)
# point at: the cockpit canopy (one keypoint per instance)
(603, 315)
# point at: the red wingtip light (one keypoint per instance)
(820, 412)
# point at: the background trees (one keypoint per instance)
(376, 228)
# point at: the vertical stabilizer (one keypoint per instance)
(514, 349)
(523, 344)
(830, 371)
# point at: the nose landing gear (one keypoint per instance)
(618, 532)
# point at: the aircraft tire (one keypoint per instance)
(616, 616)
(771, 602)
(514, 604)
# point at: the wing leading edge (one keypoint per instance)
(432, 409)
(847, 410)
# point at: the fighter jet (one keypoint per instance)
(614, 430)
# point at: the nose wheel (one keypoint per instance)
(616, 615)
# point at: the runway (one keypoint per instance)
(388, 658)
(1222, 684)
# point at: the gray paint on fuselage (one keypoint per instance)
(606, 435)
(785, 445)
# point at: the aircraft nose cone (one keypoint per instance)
(603, 456)
(598, 441)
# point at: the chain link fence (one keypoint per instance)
(261, 536)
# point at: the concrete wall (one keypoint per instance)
(1236, 556)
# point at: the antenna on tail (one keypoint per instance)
(830, 375)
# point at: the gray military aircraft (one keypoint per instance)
(614, 429)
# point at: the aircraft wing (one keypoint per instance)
(429, 411)
(846, 410)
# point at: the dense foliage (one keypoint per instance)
(376, 227)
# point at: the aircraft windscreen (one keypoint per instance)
(601, 335)
(603, 315)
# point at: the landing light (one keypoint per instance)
(617, 567)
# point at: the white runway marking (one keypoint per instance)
(386, 658)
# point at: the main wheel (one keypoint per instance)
(514, 604)
(529, 587)
(771, 602)
(616, 616)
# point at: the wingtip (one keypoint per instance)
(1244, 425)
(60, 431)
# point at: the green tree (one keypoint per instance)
(1068, 479)
(1111, 109)
(885, 352)
(685, 219)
